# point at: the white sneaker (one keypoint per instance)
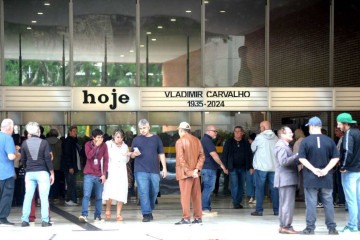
(83, 219)
(209, 213)
(251, 200)
(70, 203)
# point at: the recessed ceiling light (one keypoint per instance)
(142, 45)
(222, 11)
(188, 11)
(206, 2)
(148, 33)
(33, 21)
(131, 51)
(40, 13)
(28, 28)
(173, 19)
(46, 3)
(153, 39)
(122, 55)
(159, 27)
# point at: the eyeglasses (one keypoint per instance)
(215, 131)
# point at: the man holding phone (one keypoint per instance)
(97, 159)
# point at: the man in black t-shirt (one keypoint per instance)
(319, 155)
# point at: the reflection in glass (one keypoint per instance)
(346, 43)
(299, 43)
(234, 43)
(170, 43)
(104, 43)
(36, 44)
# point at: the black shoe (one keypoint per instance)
(333, 231)
(151, 217)
(256, 213)
(307, 231)
(146, 218)
(183, 221)
(238, 206)
(46, 224)
(197, 220)
(276, 214)
(25, 224)
(5, 222)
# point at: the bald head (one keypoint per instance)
(265, 125)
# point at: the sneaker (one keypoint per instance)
(151, 217)
(256, 213)
(209, 213)
(146, 218)
(307, 231)
(320, 205)
(70, 203)
(46, 224)
(238, 206)
(197, 220)
(98, 220)
(251, 200)
(25, 224)
(348, 230)
(333, 231)
(183, 221)
(83, 219)
(4, 222)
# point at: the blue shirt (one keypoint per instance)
(150, 148)
(209, 147)
(7, 146)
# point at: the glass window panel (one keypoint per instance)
(104, 43)
(347, 43)
(299, 43)
(36, 43)
(170, 43)
(234, 43)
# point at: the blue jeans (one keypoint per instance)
(237, 181)
(32, 179)
(351, 186)
(261, 178)
(208, 178)
(91, 181)
(311, 200)
(148, 185)
(250, 184)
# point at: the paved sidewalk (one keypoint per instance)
(228, 224)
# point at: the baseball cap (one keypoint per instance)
(314, 121)
(184, 125)
(345, 118)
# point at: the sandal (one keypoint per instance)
(119, 218)
(107, 215)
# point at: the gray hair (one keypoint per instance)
(33, 128)
(143, 122)
(6, 123)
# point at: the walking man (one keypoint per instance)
(208, 173)
(7, 171)
(189, 161)
(264, 165)
(237, 158)
(319, 155)
(147, 149)
(350, 169)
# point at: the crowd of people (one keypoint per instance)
(285, 164)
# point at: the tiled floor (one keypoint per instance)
(228, 224)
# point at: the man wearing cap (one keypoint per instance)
(319, 155)
(189, 162)
(350, 169)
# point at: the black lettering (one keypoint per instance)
(167, 94)
(123, 98)
(103, 98)
(113, 106)
(86, 95)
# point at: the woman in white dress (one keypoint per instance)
(116, 186)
